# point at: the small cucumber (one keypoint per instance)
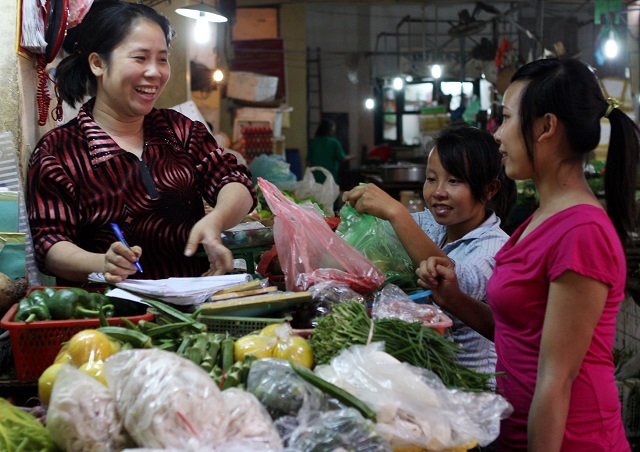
(329, 388)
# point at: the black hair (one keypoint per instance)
(106, 24)
(325, 128)
(472, 155)
(570, 90)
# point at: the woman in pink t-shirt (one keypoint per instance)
(559, 280)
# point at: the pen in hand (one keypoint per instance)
(120, 236)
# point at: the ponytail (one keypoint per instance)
(75, 79)
(505, 199)
(621, 172)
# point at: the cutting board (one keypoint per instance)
(256, 306)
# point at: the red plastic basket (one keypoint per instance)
(35, 345)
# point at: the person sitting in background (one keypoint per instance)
(326, 151)
(123, 161)
(559, 280)
(464, 180)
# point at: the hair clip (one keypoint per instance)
(613, 103)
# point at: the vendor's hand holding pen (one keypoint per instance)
(120, 236)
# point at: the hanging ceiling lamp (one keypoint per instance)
(202, 11)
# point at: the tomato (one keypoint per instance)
(295, 349)
(271, 330)
(253, 344)
(95, 369)
(88, 346)
(46, 381)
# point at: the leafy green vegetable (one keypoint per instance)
(20, 430)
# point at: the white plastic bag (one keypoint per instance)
(250, 426)
(412, 405)
(325, 194)
(166, 401)
(82, 414)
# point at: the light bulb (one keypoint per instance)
(202, 33)
(369, 103)
(218, 75)
(398, 83)
(611, 46)
(436, 71)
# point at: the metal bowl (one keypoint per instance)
(403, 172)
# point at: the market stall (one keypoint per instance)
(302, 366)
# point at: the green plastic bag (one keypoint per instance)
(376, 239)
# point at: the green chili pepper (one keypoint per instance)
(30, 309)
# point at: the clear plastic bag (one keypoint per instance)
(376, 239)
(412, 405)
(250, 426)
(392, 301)
(324, 193)
(310, 252)
(343, 429)
(281, 390)
(166, 401)
(275, 169)
(82, 414)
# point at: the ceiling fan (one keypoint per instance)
(468, 24)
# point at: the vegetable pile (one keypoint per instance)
(62, 304)
(171, 383)
(421, 346)
(20, 430)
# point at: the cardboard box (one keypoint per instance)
(252, 87)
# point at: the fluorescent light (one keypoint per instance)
(436, 71)
(201, 10)
(202, 31)
(611, 46)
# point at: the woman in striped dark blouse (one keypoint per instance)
(123, 161)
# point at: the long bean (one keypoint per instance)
(421, 346)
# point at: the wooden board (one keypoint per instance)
(256, 305)
(242, 293)
(251, 285)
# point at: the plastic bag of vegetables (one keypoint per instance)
(250, 426)
(413, 406)
(307, 247)
(376, 239)
(344, 430)
(283, 393)
(82, 414)
(275, 341)
(166, 401)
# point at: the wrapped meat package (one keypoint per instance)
(166, 401)
(82, 414)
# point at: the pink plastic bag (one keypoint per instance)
(310, 252)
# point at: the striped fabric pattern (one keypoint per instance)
(80, 180)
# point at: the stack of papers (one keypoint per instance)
(179, 291)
